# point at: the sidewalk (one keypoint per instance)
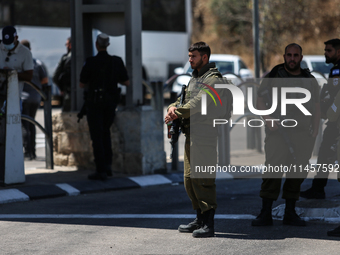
(68, 181)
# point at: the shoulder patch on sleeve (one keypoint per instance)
(334, 108)
(336, 71)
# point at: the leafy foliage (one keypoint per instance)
(228, 25)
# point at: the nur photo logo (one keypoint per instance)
(204, 97)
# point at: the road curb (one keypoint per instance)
(33, 192)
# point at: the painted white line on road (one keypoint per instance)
(69, 189)
(149, 180)
(123, 216)
(149, 216)
(221, 175)
(12, 195)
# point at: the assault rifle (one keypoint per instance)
(281, 129)
(174, 126)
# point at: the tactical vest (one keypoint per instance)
(292, 112)
(195, 86)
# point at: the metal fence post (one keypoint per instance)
(257, 131)
(250, 131)
(48, 127)
(223, 144)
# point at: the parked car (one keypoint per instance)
(318, 67)
(231, 66)
(316, 63)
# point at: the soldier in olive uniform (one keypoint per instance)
(327, 153)
(287, 146)
(200, 143)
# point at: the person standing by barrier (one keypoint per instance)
(99, 77)
(30, 103)
(62, 76)
(327, 151)
(287, 146)
(333, 115)
(201, 189)
(13, 55)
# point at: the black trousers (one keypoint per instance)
(29, 109)
(66, 102)
(100, 119)
(327, 155)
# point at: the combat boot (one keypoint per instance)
(108, 170)
(291, 217)
(196, 224)
(334, 232)
(311, 193)
(265, 216)
(207, 229)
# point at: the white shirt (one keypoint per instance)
(19, 60)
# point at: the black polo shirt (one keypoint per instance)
(103, 72)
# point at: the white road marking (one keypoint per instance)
(149, 216)
(122, 216)
(69, 189)
(150, 180)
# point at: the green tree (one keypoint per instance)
(233, 21)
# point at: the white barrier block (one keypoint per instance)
(69, 189)
(150, 180)
(14, 156)
(12, 195)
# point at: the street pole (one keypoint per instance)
(256, 39)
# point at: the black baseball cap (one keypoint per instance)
(8, 34)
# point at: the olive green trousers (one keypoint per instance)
(199, 184)
(278, 155)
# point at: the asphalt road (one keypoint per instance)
(145, 221)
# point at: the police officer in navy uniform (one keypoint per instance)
(99, 77)
(333, 115)
(62, 76)
(327, 151)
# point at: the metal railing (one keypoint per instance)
(46, 95)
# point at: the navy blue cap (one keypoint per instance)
(8, 34)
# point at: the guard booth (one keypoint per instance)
(12, 168)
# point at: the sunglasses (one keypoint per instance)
(8, 55)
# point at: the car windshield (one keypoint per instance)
(222, 66)
(321, 67)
